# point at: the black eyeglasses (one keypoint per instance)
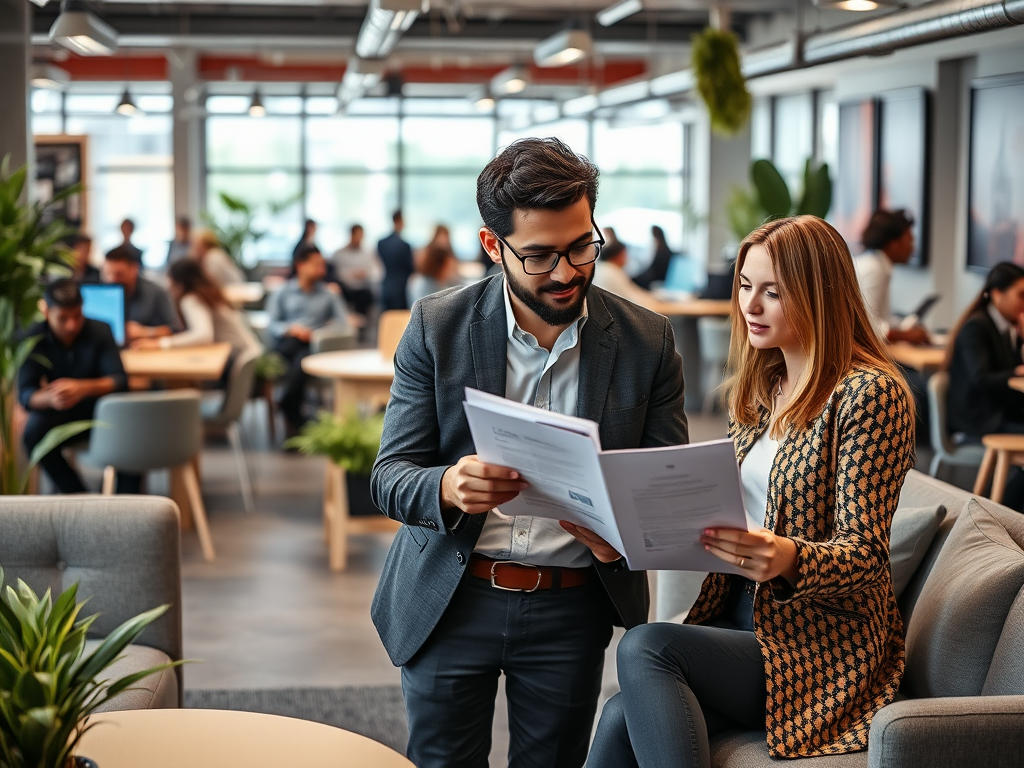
(542, 263)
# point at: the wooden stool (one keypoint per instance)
(1001, 452)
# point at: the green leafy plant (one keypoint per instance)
(769, 197)
(235, 229)
(48, 685)
(30, 249)
(352, 442)
(270, 366)
(720, 82)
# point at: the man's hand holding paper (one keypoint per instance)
(475, 487)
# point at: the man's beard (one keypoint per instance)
(554, 316)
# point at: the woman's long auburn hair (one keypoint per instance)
(822, 302)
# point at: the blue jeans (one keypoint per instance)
(550, 646)
(680, 685)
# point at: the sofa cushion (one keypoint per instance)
(913, 529)
(1006, 673)
(747, 749)
(158, 691)
(962, 608)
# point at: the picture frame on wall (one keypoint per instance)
(903, 126)
(61, 161)
(855, 194)
(995, 227)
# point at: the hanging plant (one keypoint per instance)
(720, 82)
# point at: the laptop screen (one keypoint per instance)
(105, 302)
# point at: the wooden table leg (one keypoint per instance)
(1002, 473)
(180, 496)
(337, 530)
(985, 472)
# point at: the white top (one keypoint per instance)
(754, 473)
(219, 267)
(613, 278)
(358, 267)
(207, 326)
(874, 273)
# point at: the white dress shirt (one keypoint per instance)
(874, 273)
(547, 380)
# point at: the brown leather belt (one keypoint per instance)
(521, 577)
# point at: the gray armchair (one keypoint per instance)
(124, 553)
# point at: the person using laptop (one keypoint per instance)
(75, 362)
(148, 308)
(889, 240)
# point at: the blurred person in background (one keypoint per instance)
(215, 260)
(308, 237)
(658, 268)
(181, 245)
(359, 270)
(147, 307)
(396, 255)
(83, 270)
(127, 230)
(438, 269)
(610, 274)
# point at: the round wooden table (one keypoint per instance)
(211, 738)
(359, 375)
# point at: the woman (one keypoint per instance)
(207, 315)
(984, 353)
(438, 269)
(657, 270)
(214, 260)
(808, 641)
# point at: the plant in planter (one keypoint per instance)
(769, 197)
(48, 686)
(29, 251)
(352, 443)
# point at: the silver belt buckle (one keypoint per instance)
(496, 563)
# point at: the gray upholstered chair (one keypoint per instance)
(142, 431)
(713, 335)
(946, 451)
(225, 414)
(124, 553)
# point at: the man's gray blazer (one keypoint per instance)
(631, 384)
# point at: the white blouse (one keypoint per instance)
(206, 326)
(754, 474)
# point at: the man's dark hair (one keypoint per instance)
(80, 238)
(129, 222)
(355, 227)
(396, 216)
(63, 293)
(533, 173)
(304, 253)
(185, 222)
(884, 227)
(123, 253)
(612, 250)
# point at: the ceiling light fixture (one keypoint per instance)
(81, 31)
(49, 76)
(256, 108)
(617, 12)
(510, 81)
(855, 5)
(127, 106)
(566, 47)
(385, 22)
(483, 100)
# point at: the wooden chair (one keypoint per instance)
(390, 329)
(1001, 452)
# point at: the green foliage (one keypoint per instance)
(270, 366)
(236, 229)
(29, 250)
(716, 65)
(769, 197)
(352, 443)
(48, 687)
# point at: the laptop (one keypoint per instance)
(917, 316)
(105, 302)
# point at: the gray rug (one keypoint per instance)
(375, 711)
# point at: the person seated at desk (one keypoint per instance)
(359, 271)
(148, 308)
(610, 274)
(824, 431)
(214, 260)
(657, 270)
(208, 316)
(83, 270)
(301, 306)
(75, 362)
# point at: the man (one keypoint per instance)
(301, 306)
(359, 271)
(889, 239)
(84, 271)
(148, 308)
(538, 334)
(127, 230)
(181, 245)
(396, 255)
(610, 274)
(75, 362)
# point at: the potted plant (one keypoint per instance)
(769, 197)
(352, 443)
(29, 251)
(48, 685)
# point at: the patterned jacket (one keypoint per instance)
(833, 643)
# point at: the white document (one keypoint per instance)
(651, 504)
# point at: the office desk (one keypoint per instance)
(693, 308)
(200, 363)
(240, 294)
(926, 359)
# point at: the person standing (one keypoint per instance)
(308, 237)
(396, 255)
(301, 306)
(127, 230)
(359, 272)
(75, 362)
(148, 308)
(181, 245)
(469, 593)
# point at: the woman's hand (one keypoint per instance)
(147, 343)
(602, 550)
(761, 555)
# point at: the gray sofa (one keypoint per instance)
(962, 699)
(124, 553)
